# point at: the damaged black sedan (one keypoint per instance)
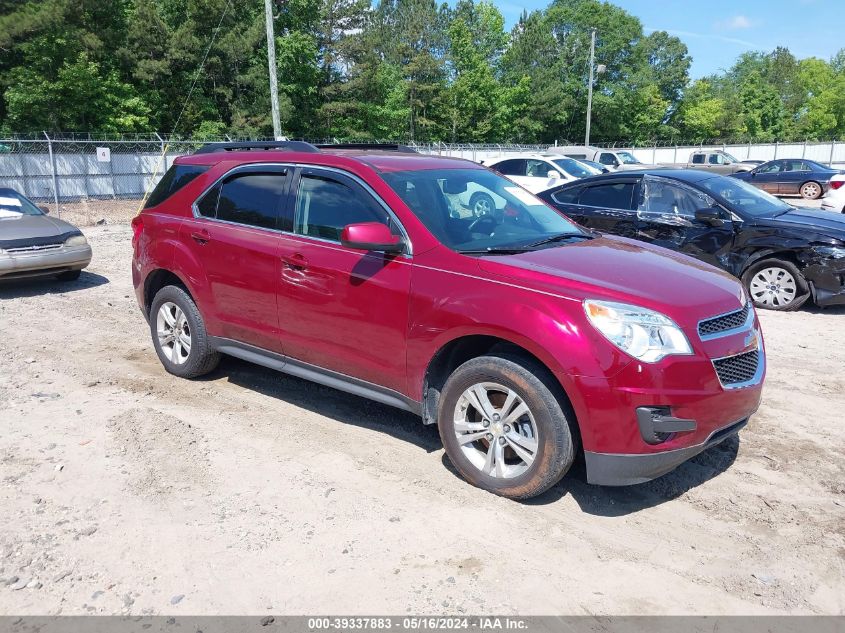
(784, 255)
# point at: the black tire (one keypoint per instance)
(811, 190)
(481, 201)
(201, 359)
(69, 275)
(802, 289)
(537, 388)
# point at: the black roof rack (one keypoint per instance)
(291, 146)
(385, 147)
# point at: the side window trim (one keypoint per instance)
(348, 179)
(285, 169)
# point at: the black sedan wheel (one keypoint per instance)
(775, 284)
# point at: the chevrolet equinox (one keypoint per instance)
(526, 338)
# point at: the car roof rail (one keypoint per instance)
(240, 146)
(384, 147)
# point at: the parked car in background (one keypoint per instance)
(784, 255)
(791, 176)
(834, 199)
(32, 244)
(525, 338)
(719, 162)
(602, 169)
(537, 172)
(613, 159)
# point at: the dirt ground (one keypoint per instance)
(126, 490)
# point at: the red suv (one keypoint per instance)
(526, 338)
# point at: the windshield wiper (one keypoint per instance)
(561, 237)
(497, 250)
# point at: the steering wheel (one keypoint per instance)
(489, 219)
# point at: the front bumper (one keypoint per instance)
(608, 469)
(45, 262)
(827, 281)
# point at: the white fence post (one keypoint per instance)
(832, 147)
(55, 178)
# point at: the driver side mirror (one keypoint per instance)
(371, 236)
(44, 209)
(710, 216)
(553, 174)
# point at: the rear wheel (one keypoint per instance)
(775, 284)
(503, 428)
(179, 335)
(810, 190)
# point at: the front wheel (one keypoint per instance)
(810, 190)
(775, 284)
(503, 427)
(179, 334)
(482, 204)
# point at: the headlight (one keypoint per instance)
(836, 252)
(644, 334)
(76, 240)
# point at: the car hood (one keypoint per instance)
(824, 222)
(20, 229)
(620, 269)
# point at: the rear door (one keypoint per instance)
(235, 236)
(606, 206)
(342, 309)
(666, 217)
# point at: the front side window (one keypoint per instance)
(617, 195)
(771, 168)
(537, 168)
(251, 199)
(670, 202)
(325, 205)
(515, 219)
(575, 168)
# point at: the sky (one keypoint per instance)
(716, 32)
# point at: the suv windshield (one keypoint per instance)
(627, 158)
(13, 204)
(575, 168)
(742, 197)
(446, 201)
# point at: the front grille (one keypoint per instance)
(741, 368)
(34, 249)
(725, 322)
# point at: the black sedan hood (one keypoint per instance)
(823, 222)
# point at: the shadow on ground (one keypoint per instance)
(331, 403)
(35, 286)
(349, 409)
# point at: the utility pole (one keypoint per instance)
(590, 87)
(271, 63)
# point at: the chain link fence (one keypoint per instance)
(87, 179)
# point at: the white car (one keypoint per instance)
(834, 199)
(538, 172)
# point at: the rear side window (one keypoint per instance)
(515, 167)
(251, 199)
(697, 159)
(618, 195)
(567, 196)
(173, 180)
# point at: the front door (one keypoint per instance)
(234, 235)
(766, 177)
(342, 309)
(666, 217)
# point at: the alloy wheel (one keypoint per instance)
(810, 191)
(174, 333)
(773, 287)
(496, 430)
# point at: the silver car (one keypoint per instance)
(33, 244)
